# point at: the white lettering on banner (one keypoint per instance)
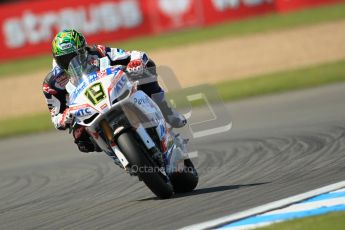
(35, 28)
(223, 5)
(15, 35)
(175, 9)
(255, 2)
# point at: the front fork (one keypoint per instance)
(107, 144)
(172, 161)
(150, 145)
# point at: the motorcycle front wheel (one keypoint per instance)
(142, 164)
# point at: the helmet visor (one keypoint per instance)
(64, 60)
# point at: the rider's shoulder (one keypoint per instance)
(54, 73)
(57, 71)
(56, 79)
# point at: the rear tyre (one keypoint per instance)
(187, 180)
(145, 167)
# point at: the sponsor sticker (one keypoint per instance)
(104, 106)
(83, 112)
(66, 46)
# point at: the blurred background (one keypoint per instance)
(243, 47)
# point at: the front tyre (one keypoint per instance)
(146, 169)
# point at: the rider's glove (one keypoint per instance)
(135, 67)
(66, 119)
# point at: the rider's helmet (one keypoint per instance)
(66, 45)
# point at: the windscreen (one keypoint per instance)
(79, 69)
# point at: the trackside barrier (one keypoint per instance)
(27, 27)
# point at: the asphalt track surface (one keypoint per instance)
(279, 146)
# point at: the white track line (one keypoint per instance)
(265, 208)
(308, 206)
(340, 190)
(252, 226)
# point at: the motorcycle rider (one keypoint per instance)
(67, 44)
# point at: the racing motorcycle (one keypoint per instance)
(129, 127)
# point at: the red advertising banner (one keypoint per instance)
(168, 15)
(216, 11)
(288, 5)
(28, 28)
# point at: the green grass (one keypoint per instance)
(228, 91)
(283, 81)
(25, 125)
(266, 23)
(25, 66)
(334, 221)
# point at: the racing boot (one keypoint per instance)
(173, 117)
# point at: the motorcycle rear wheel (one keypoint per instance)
(187, 180)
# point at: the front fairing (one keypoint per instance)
(96, 92)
